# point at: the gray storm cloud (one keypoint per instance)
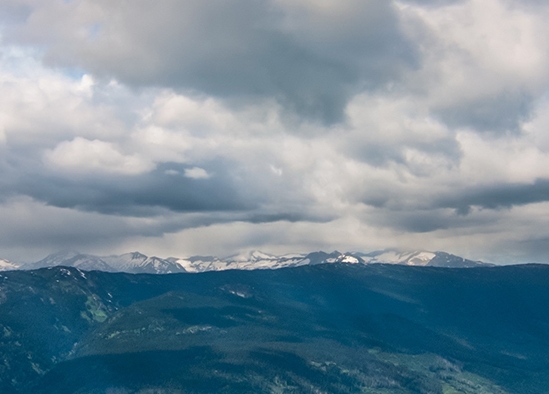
(310, 62)
(204, 127)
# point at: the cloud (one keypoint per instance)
(287, 125)
(14, 11)
(497, 196)
(144, 194)
(84, 156)
(389, 128)
(31, 229)
(434, 3)
(479, 75)
(500, 113)
(310, 62)
(196, 173)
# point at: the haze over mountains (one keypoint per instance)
(139, 263)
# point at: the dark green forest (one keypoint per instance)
(330, 328)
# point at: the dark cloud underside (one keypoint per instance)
(141, 195)
(497, 196)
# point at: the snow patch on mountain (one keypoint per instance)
(244, 261)
(6, 265)
(71, 258)
(136, 262)
(417, 258)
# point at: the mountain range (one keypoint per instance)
(319, 328)
(139, 263)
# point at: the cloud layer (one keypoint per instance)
(190, 127)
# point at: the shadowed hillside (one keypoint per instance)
(335, 328)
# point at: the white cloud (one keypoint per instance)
(197, 173)
(276, 170)
(39, 106)
(474, 72)
(513, 159)
(84, 156)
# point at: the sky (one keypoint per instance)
(181, 127)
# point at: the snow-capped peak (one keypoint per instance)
(251, 255)
(421, 258)
(6, 265)
(136, 262)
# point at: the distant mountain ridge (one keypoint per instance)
(6, 265)
(136, 262)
